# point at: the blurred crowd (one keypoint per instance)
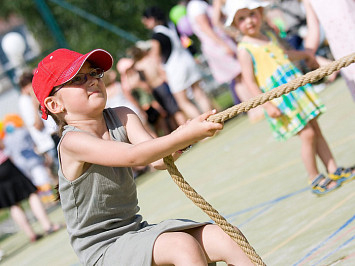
(163, 79)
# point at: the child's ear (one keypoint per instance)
(53, 105)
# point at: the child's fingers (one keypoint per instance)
(206, 115)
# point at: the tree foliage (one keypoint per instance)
(81, 34)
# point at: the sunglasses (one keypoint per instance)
(81, 79)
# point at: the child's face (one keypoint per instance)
(248, 21)
(149, 23)
(83, 98)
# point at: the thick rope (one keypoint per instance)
(231, 230)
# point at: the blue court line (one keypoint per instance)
(268, 205)
(271, 202)
(255, 215)
(335, 250)
(326, 240)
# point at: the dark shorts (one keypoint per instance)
(14, 186)
(166, 99)
(153, 115)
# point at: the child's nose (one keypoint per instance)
(248, 19)
(91, 79)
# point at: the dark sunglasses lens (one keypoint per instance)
(97, 73)
(78, 79)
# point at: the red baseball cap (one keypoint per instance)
(61, 66)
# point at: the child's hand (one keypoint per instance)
(311, 61)
(272, 110)
(199, 128)
(229, 51)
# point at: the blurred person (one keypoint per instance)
(338, 21)
(14, 188)
(220, 51)
(181, 70)
(116, 96)
(157, 116)
(19, 146)
(267, 65)
(137, 89)
(43, 133)
(177, 15)
(154, 75)
(218, 18)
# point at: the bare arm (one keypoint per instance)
(308, 56)
(313, 32)
(217, 13)
(296, 55)
(203, 22)
(155, 52)
(80, 148)
(248, 72)
(249, 80)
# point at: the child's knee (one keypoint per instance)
(307, 133)
(182, 248)
(187, 246)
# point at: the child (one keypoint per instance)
(42, 132)
(16, 187)
(132, 83)
(182, 72)
(19, 146)
(97, 148)
(265, 65)
(154, 76)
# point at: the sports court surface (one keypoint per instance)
(256, 183)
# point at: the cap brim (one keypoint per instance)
(99, 57)
(231, 15)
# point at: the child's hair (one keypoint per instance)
(60, 123)
(156, 13)
(110, 77)
(25, 79)
(136, 53)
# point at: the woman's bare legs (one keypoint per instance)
(39, 211)
(180, 118)
(19, 216)
(186, 105)
(201, 98)
(198, 246)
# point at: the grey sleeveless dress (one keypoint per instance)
(100, 209)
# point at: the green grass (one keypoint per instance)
(224, 100)
(4, 214)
